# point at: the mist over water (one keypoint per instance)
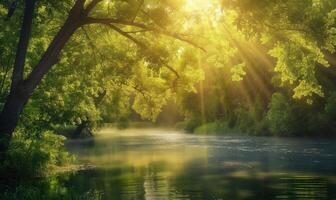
(167, 164)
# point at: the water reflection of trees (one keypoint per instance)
(196, 180)
(199, 180)
(51, 188)
(147, 167)
(248, 183)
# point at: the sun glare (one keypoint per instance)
(196, 5)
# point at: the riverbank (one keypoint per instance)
(259, 129)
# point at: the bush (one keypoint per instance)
(191, 124)
(31, 155)
(181, 125)
(287, 117)
(215, 128)
(244, 121)
(123, 123)
(251, 120)
(328, 117)
(279, 116)
(330, 108)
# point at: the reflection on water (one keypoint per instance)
(162, 164)
(157, 164)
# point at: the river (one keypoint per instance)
(155, 164)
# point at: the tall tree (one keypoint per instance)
(82, 13)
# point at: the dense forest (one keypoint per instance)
(67, 68)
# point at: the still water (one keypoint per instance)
(155, 164)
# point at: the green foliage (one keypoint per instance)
(296, 66)
(330, 107)
(32, 193)
(280, 116)
(238, 72)
(214, 128)
(191, 124)
(123, 123)
(99, 59)
(289, 41)
(103, 76)
(298, 34)
(251, 120)
(31, 155)
(287, 117)
(53, 187)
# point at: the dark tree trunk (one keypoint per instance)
(10, 115)
(21, 52)
(82, 128)
(21, 90)
(16, 98)
(79, 129)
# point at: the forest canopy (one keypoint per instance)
(226, 64)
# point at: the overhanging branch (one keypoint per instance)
(142, 45)
(110, 21)
(125, 34)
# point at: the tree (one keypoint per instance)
(300, 35)
(82, 13)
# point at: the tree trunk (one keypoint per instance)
(16, 98)
(10, 114)
(21, 52)
(81, 128)
(21, 92)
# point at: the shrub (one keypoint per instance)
(31, 155)
(123, 123)
(192, 124)
(217, 127)
(288, 117)
(330, 108)
(279, 116)
(251, 120)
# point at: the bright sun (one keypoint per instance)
(195, 5)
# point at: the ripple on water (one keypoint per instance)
(164, 164)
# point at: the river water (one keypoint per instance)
(155, 164)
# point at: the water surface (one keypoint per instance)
(166, 164)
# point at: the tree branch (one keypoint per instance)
(51, 55)
(138, 31)
(123, 33)
(107, 21)
(142, 45)
(11, 8)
